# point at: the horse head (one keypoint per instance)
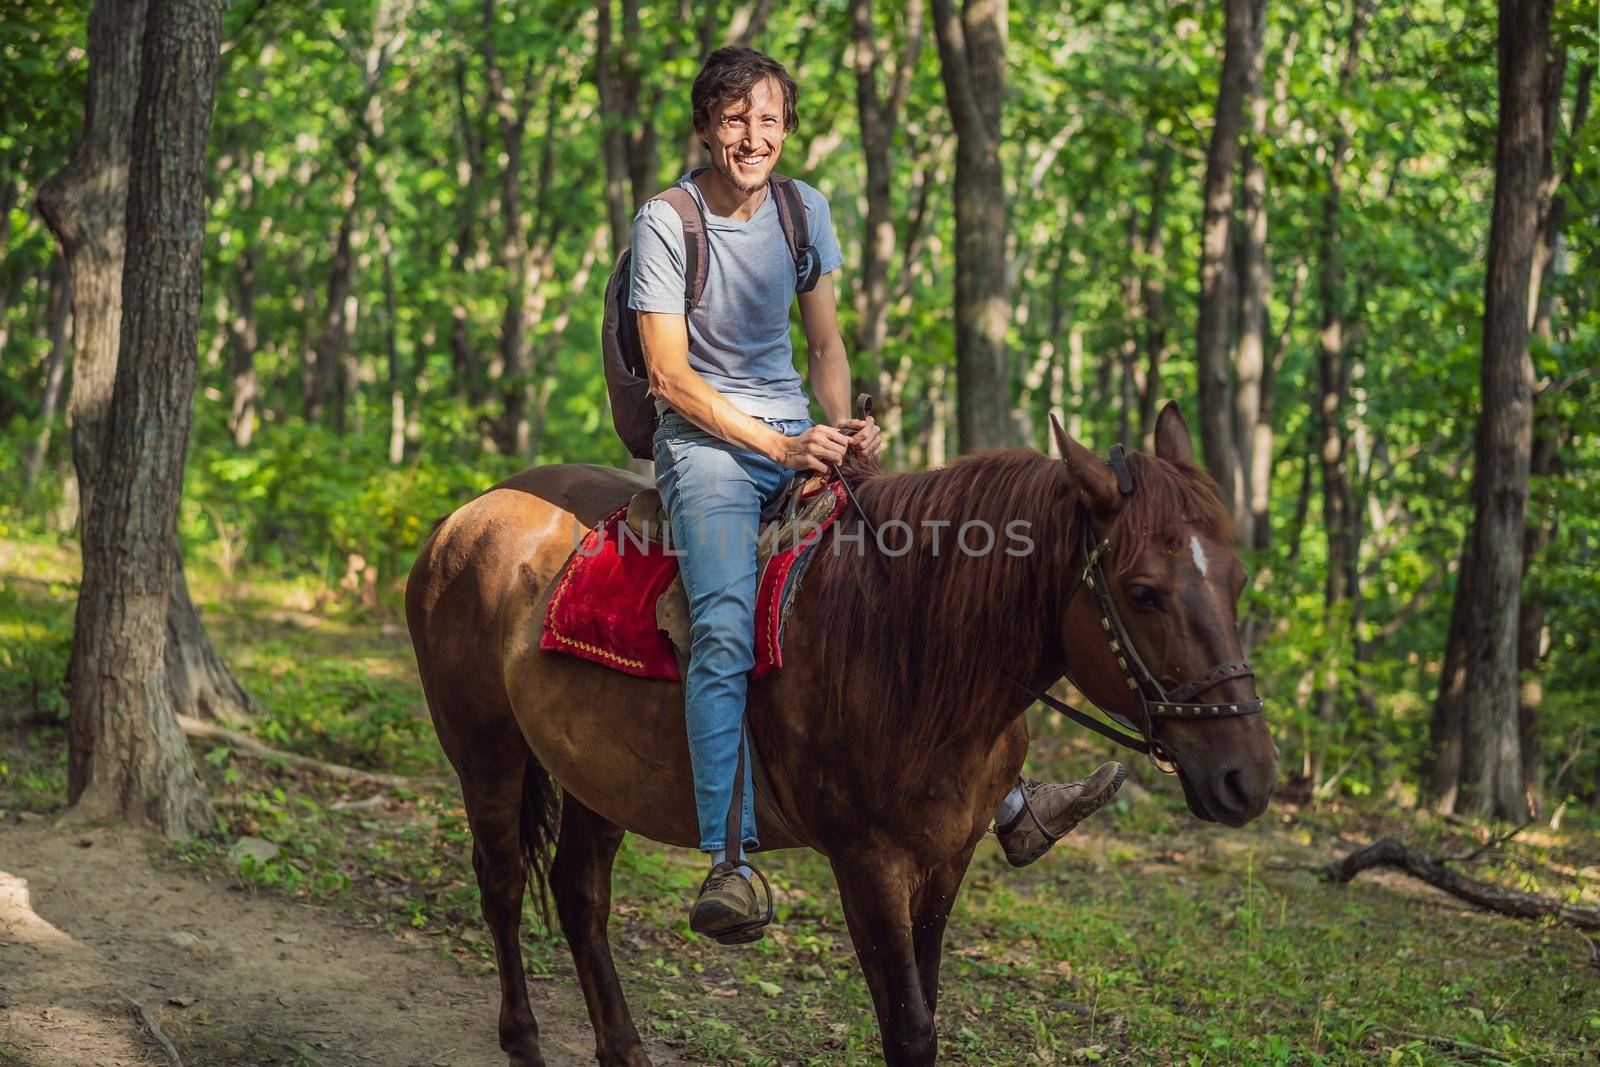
(1171, 583)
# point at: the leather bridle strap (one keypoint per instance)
(1083, 718)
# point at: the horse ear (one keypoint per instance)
(1097, 485)
(1173, 442)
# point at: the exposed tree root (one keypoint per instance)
(210, 731)
(1390, 852)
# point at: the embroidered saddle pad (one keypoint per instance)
(619, 600)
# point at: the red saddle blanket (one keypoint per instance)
(604, 606)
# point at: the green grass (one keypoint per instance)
(1145, 938)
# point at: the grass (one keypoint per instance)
(1144, 938)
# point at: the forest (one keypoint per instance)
(1356, 243)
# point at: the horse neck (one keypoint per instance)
(949, 627)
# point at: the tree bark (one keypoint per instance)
(60, 316)
(85, 206)
(1479, 702)
(126, 755)
(1211, 347)
(972, 64)
(880, 116)
(1544, 460)
(1254, 278)
(1333, 378)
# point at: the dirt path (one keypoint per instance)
(88, 924)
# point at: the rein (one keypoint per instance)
(1157, 702)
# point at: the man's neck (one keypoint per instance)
(725, 199)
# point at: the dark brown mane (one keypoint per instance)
(943, 630)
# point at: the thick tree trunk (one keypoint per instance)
(972, 64)
(1211, 344)
(86, 206)
(1254, 278)
(1532, 629)
(126, 755)
(60, 316)
(1482, 696)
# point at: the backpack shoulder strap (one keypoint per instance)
(791, 213)
(695, 253)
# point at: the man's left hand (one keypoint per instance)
(865, 437)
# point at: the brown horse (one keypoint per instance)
(896, 663)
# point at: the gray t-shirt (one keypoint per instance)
(739, 332)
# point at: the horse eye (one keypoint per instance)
(1144, 596)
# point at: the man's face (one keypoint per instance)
(746, 137)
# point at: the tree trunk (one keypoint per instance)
(1532, 630)
(1333, 378)
(1480, 699)
(879, 119)
(1211, 347)
(60, 316)
(336, 324)
(126, 755)
(86, 206)
(463, 355)
(242, 363)
(972, 64)
(1254, 278)
(613, 138)
(1155, 297)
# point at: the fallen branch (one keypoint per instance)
(210, 731)
(1390, 852)
(148, 1018)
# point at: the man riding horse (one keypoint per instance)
(735, 428)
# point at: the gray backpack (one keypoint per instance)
(633, 410)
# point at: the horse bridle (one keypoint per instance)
(1158, 701)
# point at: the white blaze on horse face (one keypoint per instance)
(1200, 561)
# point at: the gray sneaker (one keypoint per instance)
(726, 909)
(1050, 811)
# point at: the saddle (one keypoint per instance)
(620, 600)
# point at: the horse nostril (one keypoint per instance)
(1233, 791)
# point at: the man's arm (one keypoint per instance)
(665, 339)
(829, 367)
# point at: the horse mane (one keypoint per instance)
(943, 630)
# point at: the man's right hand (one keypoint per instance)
(814, 449)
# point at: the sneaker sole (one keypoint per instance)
(726, 927)
(1116, 784)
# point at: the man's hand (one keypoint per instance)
(814, 449)
(865, 437)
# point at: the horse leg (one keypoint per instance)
(930, 910)
(580, 878)
(492, 788)
(876, 893)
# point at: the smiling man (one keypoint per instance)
(735, 427)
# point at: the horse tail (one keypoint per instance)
(537, 830)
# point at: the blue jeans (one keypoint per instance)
(715, 493)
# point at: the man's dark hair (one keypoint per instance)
(729, 75)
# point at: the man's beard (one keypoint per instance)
(746, 185)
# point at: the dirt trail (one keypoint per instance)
(86, 921)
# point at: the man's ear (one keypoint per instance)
(1097, 484)
(1173, 442)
